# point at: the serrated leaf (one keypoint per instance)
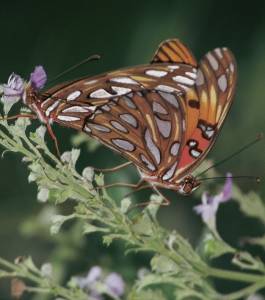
(210, 247)
(57, 222)
(163, 264)
(125, 205)
(43, 195)
(88, 174)
(246, 261)
(143, 225)
(99, 178)
(154, 205)
(89, 228)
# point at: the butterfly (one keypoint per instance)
(164, 117)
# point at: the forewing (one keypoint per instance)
(215, 87)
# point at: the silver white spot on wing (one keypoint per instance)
(105, 107)
(195, 153)
(157, 107)
(100, 128)
(126, 80)
(51, 108)
(152, 147)
(170, 98)
(123, 144)
(156, 73)
(164, 127)
(130, 119)
(218, 52)
(192, 143)
(118, 126)
(148, 164)
(100, 93)
(166, 88)
(87, 129)
(222, 83)
(200, 78)
(174, 149)
(232, 67)
(129, 102)
(170, 172)
(77, 109)
(174, 67)
(183, 79)
(212, 60)
(193, 75)
(120, 90)
(73, 95)
(67, 118)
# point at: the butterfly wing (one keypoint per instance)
(215, 87)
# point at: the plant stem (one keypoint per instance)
(245, 291)
(233, 275)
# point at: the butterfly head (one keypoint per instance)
(188, 185)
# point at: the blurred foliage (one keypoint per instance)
(59, 34)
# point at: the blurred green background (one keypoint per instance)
(58, 34)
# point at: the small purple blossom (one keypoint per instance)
(210, 204)
(14, 88)
(94, 281)
(115, 283)
(92, 276)
(38, 77)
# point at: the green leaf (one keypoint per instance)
(163, 264)
(58, 221)
(246, 261)
(210, 247)
(43, 194)
(88, 174)
(125, 205)
(154, 205)
(89, 228)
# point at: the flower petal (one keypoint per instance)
(227, 189)
(115, 283)
(38, 77)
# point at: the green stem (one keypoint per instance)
(233, 275)
(245, 291)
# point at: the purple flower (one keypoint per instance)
(92, 276)
(14, 88)
(38, 77)
(210, 204)
(94, 284)
(115, 283)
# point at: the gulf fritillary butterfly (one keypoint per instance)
(164, 117)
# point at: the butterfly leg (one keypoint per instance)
(30, 116)
(142, 185)
(114, 168)
(52, 135)
(165, 201)
(121, 184)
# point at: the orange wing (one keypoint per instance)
(215, 87)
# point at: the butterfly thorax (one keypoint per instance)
(33, 100)
(184, 186)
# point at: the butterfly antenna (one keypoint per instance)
(90, 58)
(256, 178)
(257, 139)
